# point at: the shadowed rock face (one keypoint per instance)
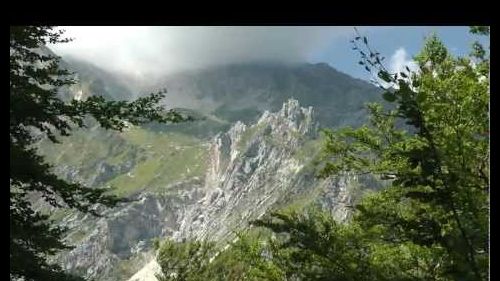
(250, 168)
(124, 232)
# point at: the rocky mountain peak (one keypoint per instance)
(249, 169)
(291, 117)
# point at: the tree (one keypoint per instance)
(249, 257)
(246, 258)
(184, 261)
(312, 246)
(36, 111)
(432, 146)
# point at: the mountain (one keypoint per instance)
(243, 92)
(91, 80)
(95, 80)
(250, 150)
(249, 170)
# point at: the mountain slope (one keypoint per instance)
(209, 177)
(256, 168)
(249, 170)
(243, 92)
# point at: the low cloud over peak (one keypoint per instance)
(157, 51)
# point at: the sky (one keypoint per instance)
(398, 45)
(144, 51)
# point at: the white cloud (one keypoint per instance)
(398, 63)
(400, 60)
(158, 50)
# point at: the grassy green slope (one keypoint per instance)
(136, 159)
(166, 158)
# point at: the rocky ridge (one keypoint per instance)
(250, 169)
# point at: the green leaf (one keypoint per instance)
(388, 96)
(384, 75)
